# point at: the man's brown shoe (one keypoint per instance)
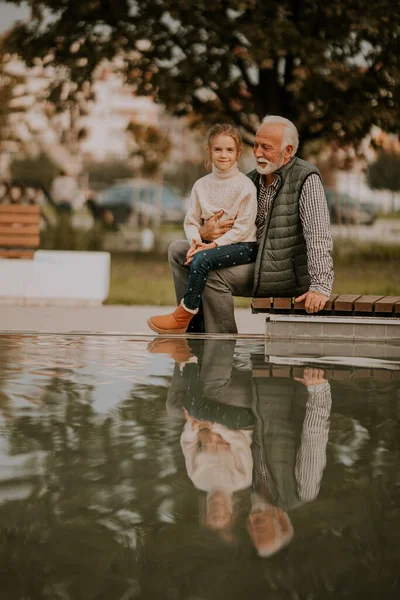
(176, 322)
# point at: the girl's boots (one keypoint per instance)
(176, 322)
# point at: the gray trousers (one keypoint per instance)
(217, 301)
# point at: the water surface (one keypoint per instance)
(194, 470)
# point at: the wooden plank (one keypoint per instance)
(32, 241)
(280, 371)
(299, 305)
(345, 302)
(397, 308)
(298, 372)
(327, 308)
(27, 218)
(19, 230)
(261, 372)
(386, 304)
(282, 303)
(261, 303)
(26, 254)
(20, 209)
(381, 375)
(342, 374)
(366, 303)
(361, 373)
(329, 305)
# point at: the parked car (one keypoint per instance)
(343, 209)
(140, 200)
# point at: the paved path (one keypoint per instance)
(100, 319)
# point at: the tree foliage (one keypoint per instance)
(149, 147)
(331, 67)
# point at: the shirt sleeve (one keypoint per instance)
(193, 220)
(244, 225)
(314, 216)
(311, 457)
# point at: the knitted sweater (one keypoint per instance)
(230, 191)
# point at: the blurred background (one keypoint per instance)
(104, 108)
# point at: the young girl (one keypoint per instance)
(227, 189)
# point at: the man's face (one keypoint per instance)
(269, 530)
(268, 151)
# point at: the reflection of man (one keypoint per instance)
(286, 476)
(293, 231)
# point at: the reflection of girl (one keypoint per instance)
(219, 462)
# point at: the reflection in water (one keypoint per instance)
(124, 474)
(234, 429)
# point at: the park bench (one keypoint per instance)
(45, 276)
(342, 373)
(19, 230)
(337, 305)
(346, 317)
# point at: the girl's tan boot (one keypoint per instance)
(176, 322)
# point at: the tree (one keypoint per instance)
(329, 66)
(10, 139)
(149, 147)
(384, 173)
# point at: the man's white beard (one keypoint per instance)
(270, 167)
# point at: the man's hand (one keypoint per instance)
(311, 377)
(196, 247)
(214, 228)
(314, 301)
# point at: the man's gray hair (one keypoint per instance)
(290, 134)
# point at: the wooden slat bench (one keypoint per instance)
(343, 373)
(341, 305)
(19, 230)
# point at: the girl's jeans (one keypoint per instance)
(205, 261)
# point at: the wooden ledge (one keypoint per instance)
(343, 304)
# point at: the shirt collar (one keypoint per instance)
(272, 186)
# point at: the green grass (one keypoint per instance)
(367, 277)
(140, 279)
(146, 279)
(392, 216)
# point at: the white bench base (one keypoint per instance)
(56, 277)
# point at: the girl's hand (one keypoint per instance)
(190, 252)
(196, 247)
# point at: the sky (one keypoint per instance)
(9, 13)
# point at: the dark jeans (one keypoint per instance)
(205, 261)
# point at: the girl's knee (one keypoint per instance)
(200, 260)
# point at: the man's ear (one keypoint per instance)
(288, 152)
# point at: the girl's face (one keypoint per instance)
(219, 511)
(224, 152)
(212, 442)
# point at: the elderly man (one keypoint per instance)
(293, 231)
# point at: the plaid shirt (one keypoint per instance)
(314, 217)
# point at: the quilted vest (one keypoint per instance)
(281, 265)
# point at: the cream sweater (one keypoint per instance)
(230, 191)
